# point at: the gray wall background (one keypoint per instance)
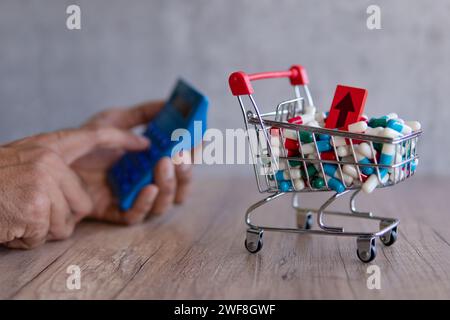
(130, 51)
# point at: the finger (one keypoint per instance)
(165, 180)
(127, 118)
(62, 221)
(142, 205)
(26, 243)
(139, 114)
(34, 235)
(78, 200)
(74, 143)
(184, 176)
(66, 181)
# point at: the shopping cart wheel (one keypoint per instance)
(253, 241)
(304, 219)
(389, 237)
(367, 250)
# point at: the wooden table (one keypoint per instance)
(197, 252)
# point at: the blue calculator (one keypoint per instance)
(186, 109)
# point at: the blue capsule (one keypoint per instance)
(323, 136)
(366, 170)
(398, 126)
(335, 184)
(284, 186)
(324, 145)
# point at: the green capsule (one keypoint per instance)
(294, 163)
(318, 183)
(306, 137)
(378, 146)
(378, 122)
(311, 169)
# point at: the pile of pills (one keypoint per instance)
(294, 175)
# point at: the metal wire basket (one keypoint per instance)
(295, 168)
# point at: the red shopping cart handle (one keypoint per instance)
(240, 82)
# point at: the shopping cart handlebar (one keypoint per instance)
(240, 82)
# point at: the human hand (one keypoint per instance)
(42, 198)
(172, 182)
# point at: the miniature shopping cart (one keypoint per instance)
(267, 163)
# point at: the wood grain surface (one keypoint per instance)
(196, 251)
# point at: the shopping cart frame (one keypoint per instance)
(240, 84)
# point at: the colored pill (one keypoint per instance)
(377, 122)
(335, 184)
(306, 137)
(284, 186)
(332, 171)
(288, 174)
(372, 182)
(398, 126)
(311, 170)
(328, 155)
(363, 118)
(318, 183)
(322, 145)
(303, 119)
(295, 163)
(291, 144)
(367, 170)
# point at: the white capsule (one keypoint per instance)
(313, 123)
(348, 159)
(398, 157)
(374, 131)
(310, 110)
(365, 149)
(290, 134)
(392, 115)
(397, 175)
(320, 116)
(350, 170)
(358, 127)
(338, 141)
(275, 152)
(282, 164)
(292, 174)
(299, 184)
(390, 133)
(343, 151)
(347, 179)
(265, 160)
(414, 125)
(372, 182)
(308, 148)
(275, 141)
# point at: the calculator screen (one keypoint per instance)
(182, 105)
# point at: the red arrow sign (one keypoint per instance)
(347, 107)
